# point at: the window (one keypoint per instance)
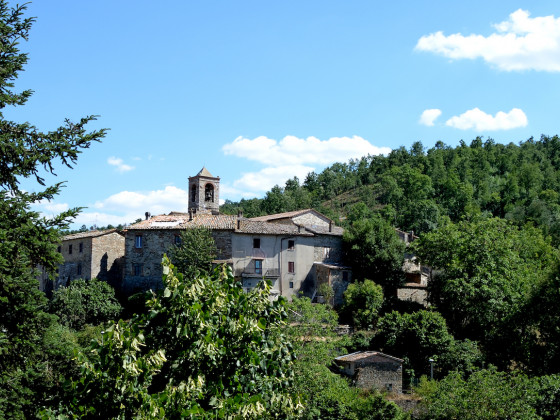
(79, 268)
(59, 249)
(69, 249)
(291, 267)
(138, 241)
(256, 242)
(291, 245)
(291, 285)
(81, 247)
(137, 269)
(258, 266)
(209, 193)
(193, 192)
(177, 240)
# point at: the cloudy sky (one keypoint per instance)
(259, 92)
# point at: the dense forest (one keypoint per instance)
(419, 189)
(487, 219)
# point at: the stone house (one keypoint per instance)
(284, 248)
(373, 370)
(88, 255)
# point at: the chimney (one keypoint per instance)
(147, 214)
(240, 213)
(238, 223)
(331, 226)
(299, 228)
(190, 215)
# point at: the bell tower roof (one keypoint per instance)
(205, 172)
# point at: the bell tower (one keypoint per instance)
(204, 193)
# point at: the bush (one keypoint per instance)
(85, 302)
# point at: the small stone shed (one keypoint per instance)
(373, 370)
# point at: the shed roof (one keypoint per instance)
(363, 355)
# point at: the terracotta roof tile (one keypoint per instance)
(285, 215)
(266, 228)
(88, 234)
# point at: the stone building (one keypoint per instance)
(373, 370)
(283, 248)
(87, 255)
(287, 254)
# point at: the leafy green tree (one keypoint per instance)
(27, 239)
(85, 302)
(362, 304)
(415, 337)
(486, 272)
(205, 349)
(195, 252)
(375, 252)
(486, 394)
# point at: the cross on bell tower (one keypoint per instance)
(204, 193)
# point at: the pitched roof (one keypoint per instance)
(205, 172)
(361, 355)
(88, 234)
(285, 215)
(265, 228)
(181, 221)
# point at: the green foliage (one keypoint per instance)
(85, 302)
(487, 272)
(486, 394)
(312, 331)
(26, 239)
(422, 335)
(206, 348)
(194, 254)
(326, 291)
(362, 303)
(329, 396)
(375, 252)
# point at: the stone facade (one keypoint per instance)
(373, 370)
(283, 253)
(336, 276)
(204, 193)
(87, 255)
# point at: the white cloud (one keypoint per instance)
(519, 43)
(292, 156)
(480, 120)
(157, 202)
(429, 116)
(267, 178)
(292, 150)
(50, 209)
(119, 164)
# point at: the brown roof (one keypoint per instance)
(285, 215)
(360, 355)
(266, 228)
(181, 221)
(178, 221)
(88, 234)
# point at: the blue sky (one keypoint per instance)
(259, 92)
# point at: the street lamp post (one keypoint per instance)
(431, 368)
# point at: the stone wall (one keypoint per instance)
(107, 257)
(155, 243)
(328, 249)
(70, 269)
(380, 375)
